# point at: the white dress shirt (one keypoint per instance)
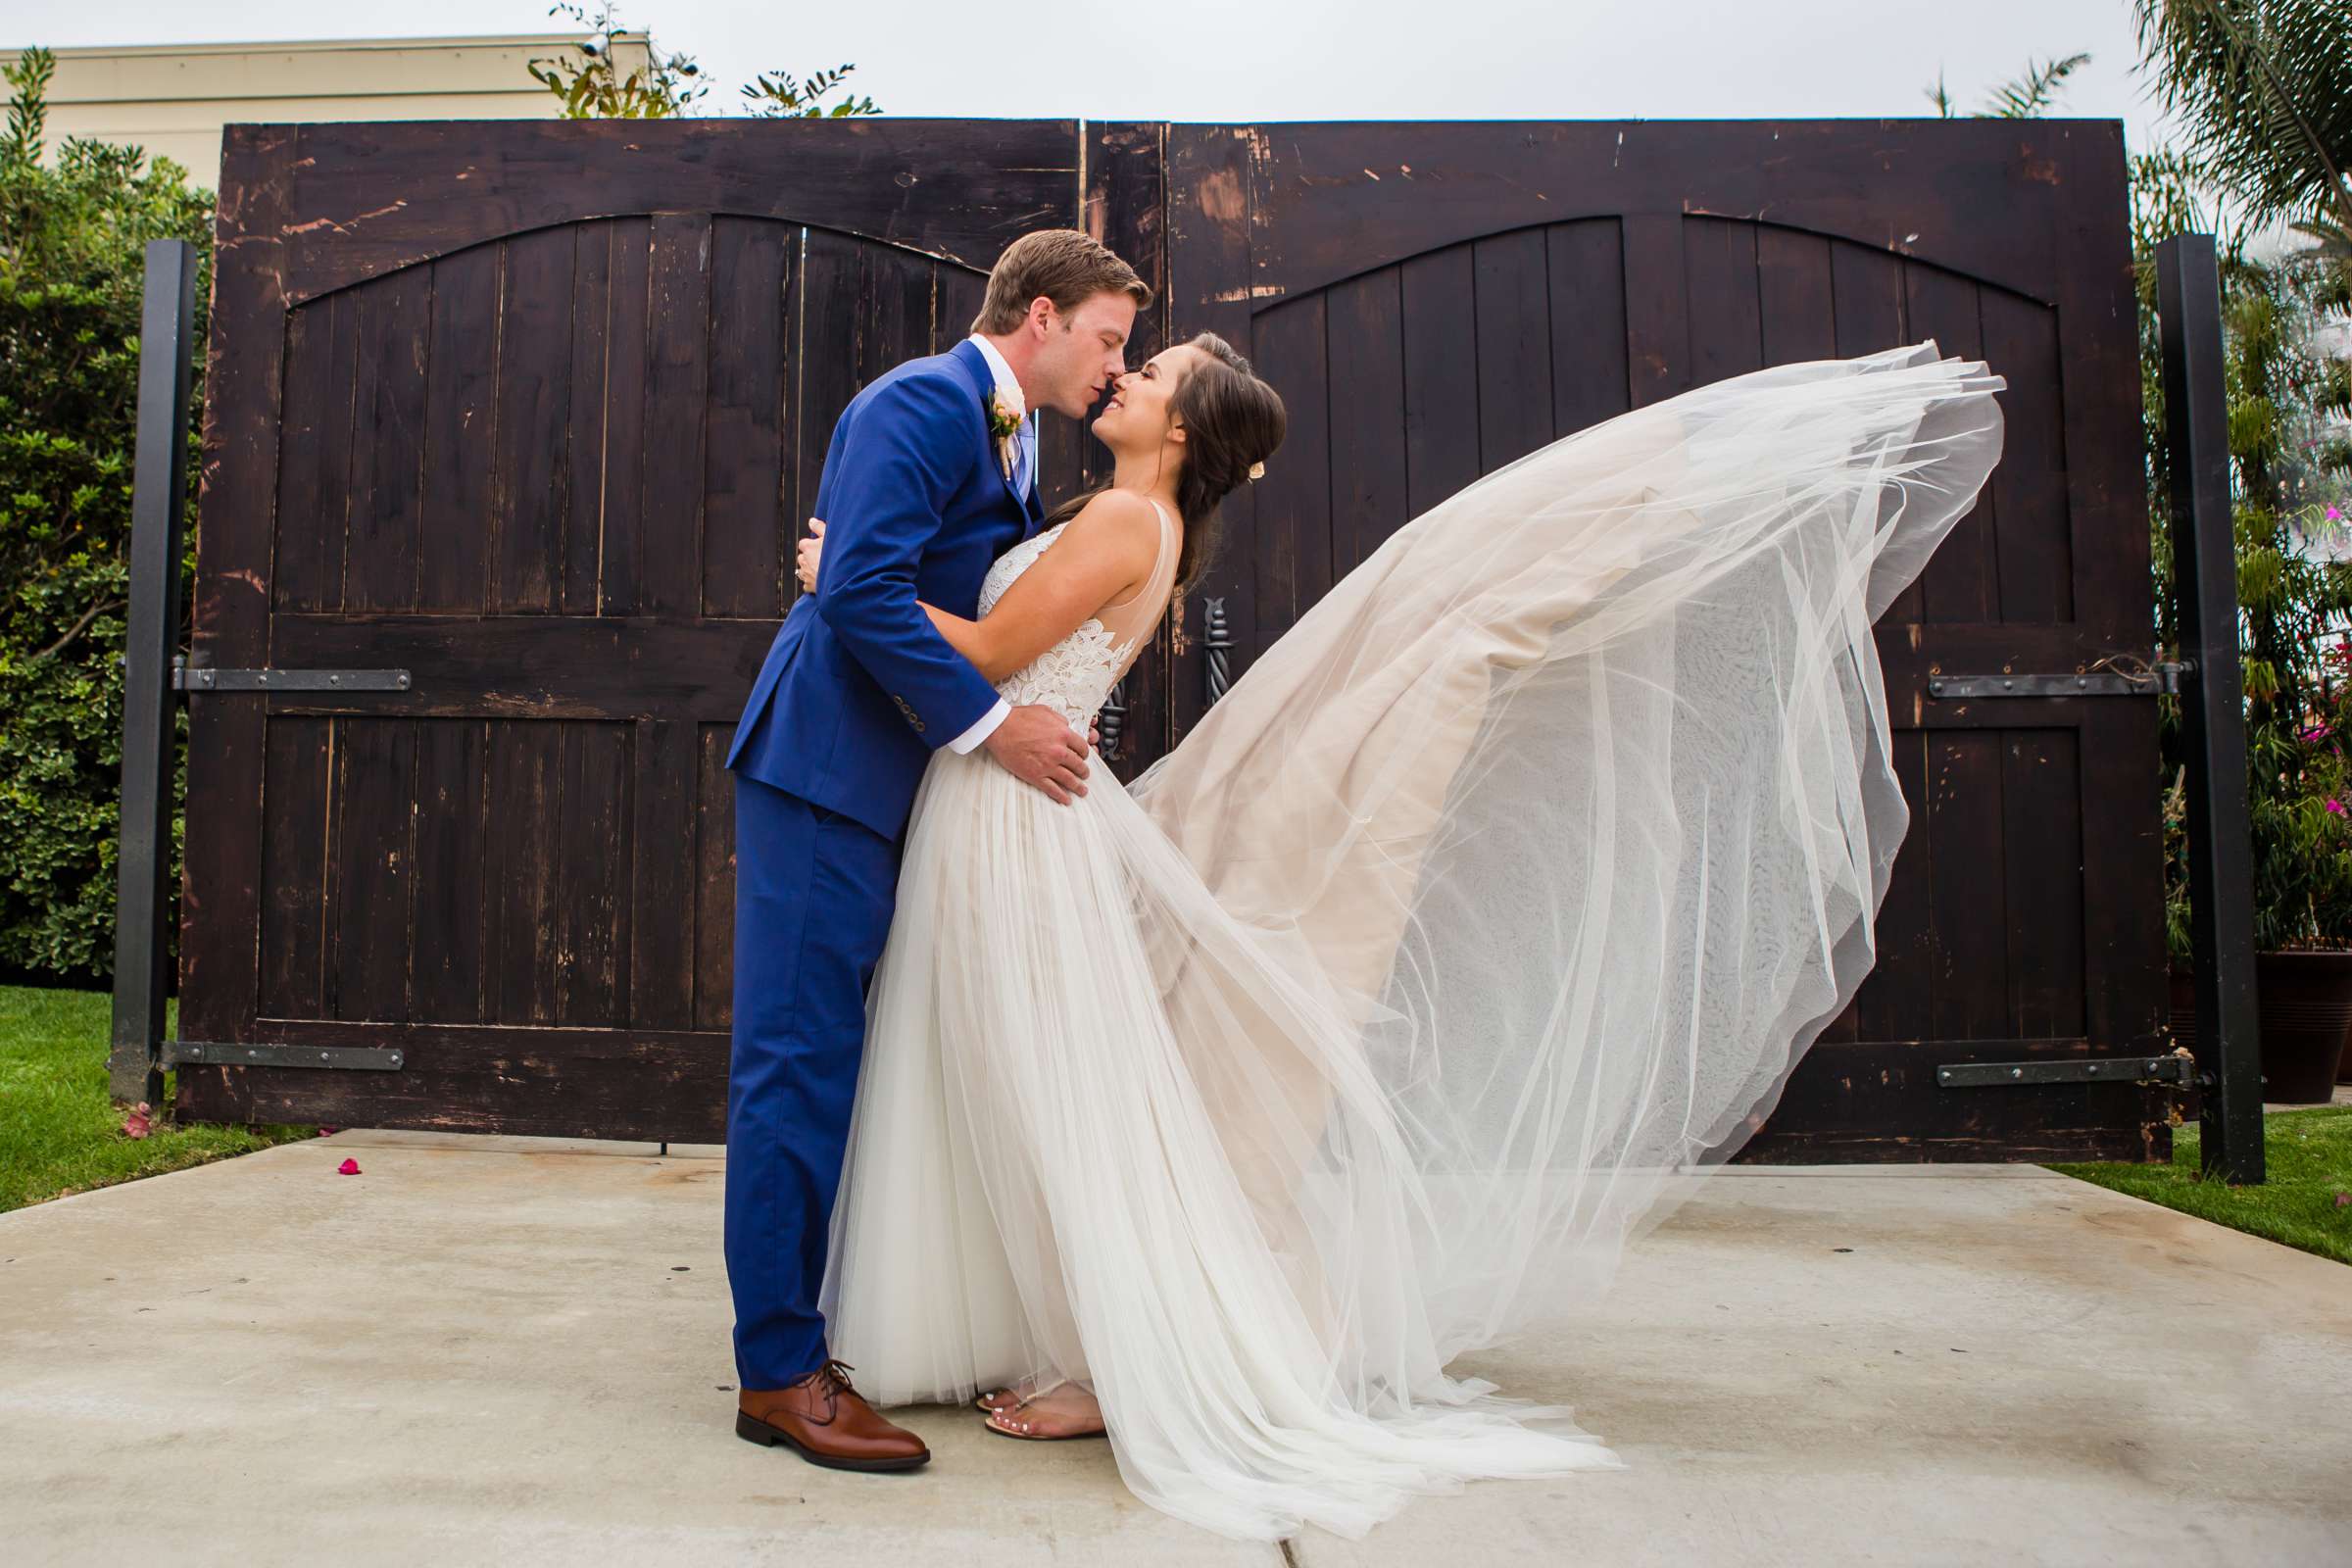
(1024, 478)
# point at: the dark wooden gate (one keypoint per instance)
(534, 411)
(1437, 300)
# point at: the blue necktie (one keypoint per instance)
(1024, 458)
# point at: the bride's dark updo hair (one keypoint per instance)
(1232, 421)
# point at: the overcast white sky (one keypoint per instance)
(1253, 60)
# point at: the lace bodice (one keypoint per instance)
(1076, 673)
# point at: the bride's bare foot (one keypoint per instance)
(1068, 1411)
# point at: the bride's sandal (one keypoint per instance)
(1011, 1422)
(991, 1400)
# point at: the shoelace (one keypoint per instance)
(833, 1381)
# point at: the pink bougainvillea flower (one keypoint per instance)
(2318, 732)
(2335, 806)
(350, 1167)
(2336, 514)
(139, 1125)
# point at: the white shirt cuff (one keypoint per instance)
(982, 728)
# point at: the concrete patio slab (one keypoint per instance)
(515, 1351)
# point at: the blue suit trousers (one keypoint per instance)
(814, 894)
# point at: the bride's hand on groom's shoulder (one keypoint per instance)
(1037, 746)
(809, 548)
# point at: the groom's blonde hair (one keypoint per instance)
(1065, 266)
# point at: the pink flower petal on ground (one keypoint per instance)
(323, 1131)
(138, 1126)
(350, 1167)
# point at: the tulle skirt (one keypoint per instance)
(1493, 904)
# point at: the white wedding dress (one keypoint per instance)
(1495, 901)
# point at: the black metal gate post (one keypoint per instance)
(159, 494)
(2221, 849)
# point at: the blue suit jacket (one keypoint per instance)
(857, 689)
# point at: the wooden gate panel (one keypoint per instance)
(1435, 301)
(537, 411)
(547, 449)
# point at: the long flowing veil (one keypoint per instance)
(1574, 803)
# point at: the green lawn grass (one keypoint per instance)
(2308, 1161)
(58, 1132)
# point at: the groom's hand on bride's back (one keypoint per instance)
(1037, 746)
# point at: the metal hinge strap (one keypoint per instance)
(2173, 1068)
(289, 680)
(2145, 681)
(248, 1054)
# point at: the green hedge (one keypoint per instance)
(71, 244)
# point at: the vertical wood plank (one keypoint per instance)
(677, 392)
(1587, 261)
(1726, 328)
(1440, 376)
(585, 445)
(1657, 320)
(1370, 498)
(2042, 838)
(367, 908)
(387, 444)
(1968, 997)
(1291, 542)
(1868, 296)
(2032, 541)
(315, 488)
(220, 912)
(525, 809)
(460, 419)
(1512, 276)
(665, 907)
(531, 456)
(621, 554)
(1798, 314)
(294, 870)
(454, 835)
(1125, 206)
(955, 305)
(1959, 584)
(744, 524)
(714, 879)
(893, 322)
(824, 374)
(597, 851)
(1211, 197)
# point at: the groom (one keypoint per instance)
(931, 475)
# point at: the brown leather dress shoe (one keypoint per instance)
(827, 1422)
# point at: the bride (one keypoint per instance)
(1494, 902)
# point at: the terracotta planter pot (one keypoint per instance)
(2303, 1003)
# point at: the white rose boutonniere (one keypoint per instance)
(1005, 412)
